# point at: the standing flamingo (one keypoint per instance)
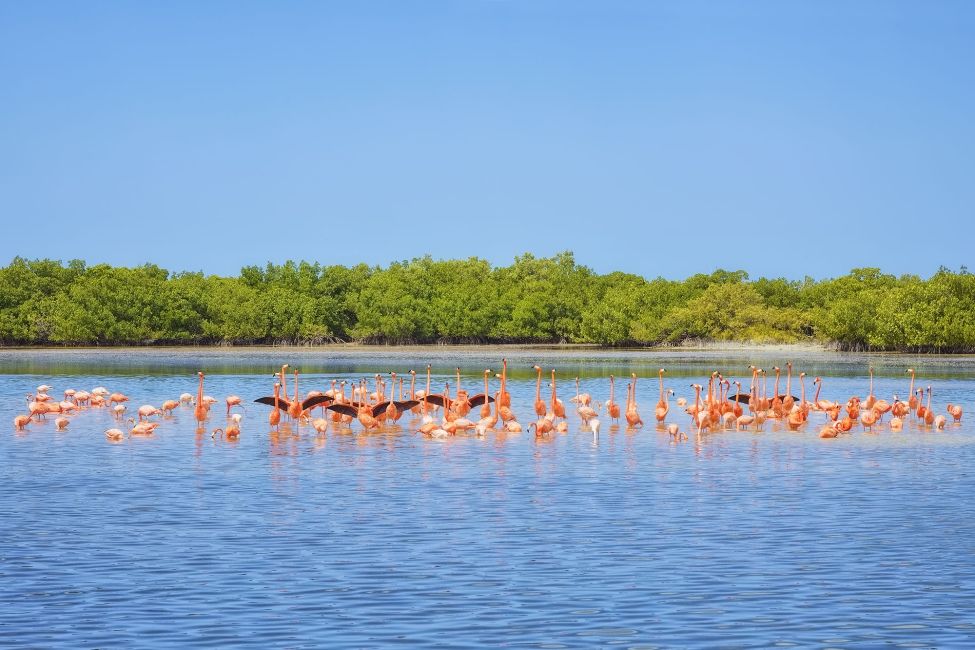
(912, 399)
(540, 408)
(871, 398)
(662, 405)
(632, 415)
(612, 408)
(201, 411)
(558, 409)
(274, 419)
(504, 395)
(929, 414)
(956, 411)
(294, 408)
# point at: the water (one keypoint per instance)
(355, 540)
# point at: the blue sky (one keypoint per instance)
(783, 138)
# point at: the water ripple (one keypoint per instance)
(349, 540)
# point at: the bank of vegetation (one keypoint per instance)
(534, 300)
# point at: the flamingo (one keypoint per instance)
(869, 402)
(788, 401)
(540, 408)
(201, 411)
(232, 401)
(662, 405)
(295, 409)
(912, 399)
(558, 409)
(274, 419)
(675, 433)
(231, 431)
(898, 409)
(956, 411)
(148, 410)
(632, 415)
(583, 399)
(928, 413)
(868, 419)
(744, 421)
(542, 427)
(504, 395)
(486, 406)
(21, 421)
(491, 419)
(776, 398)
(828, 431)
(612, 408)
(701, 418)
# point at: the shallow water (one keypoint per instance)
(356, 540)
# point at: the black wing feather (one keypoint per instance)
(479, 399)
(344, 409)
(283, 404)
(312, 402)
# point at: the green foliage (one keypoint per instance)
(534, 300)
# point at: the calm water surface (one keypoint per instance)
(355, 540)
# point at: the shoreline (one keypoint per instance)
(490, 349)
(719, 346)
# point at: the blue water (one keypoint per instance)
(294, 539)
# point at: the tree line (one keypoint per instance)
(534, 300)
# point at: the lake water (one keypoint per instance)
(294, 539)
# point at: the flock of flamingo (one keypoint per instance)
(715, 407)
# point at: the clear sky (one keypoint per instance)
(783, 138)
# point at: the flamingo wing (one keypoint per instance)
(344, 409)
(312, 402)
(406, 404)
(439, 400)
(479, 399)
(283, 404)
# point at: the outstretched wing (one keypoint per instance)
(344, 409)
(439, 400)
(312, 402)
(283, 404)
(741, 398)
(404, 405)
(479, 399)
(378, 409)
